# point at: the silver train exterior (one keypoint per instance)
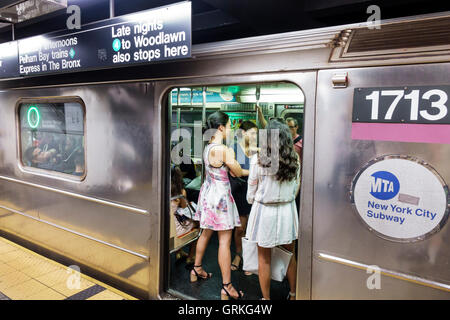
(114, 222)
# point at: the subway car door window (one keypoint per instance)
(52, 137)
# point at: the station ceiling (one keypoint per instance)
(213, 20)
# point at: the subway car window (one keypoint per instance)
(52, 136)
(249, 108)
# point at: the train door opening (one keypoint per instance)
(249, 107)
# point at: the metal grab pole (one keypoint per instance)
(111, 9)
(258, 95)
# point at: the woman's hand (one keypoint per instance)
(261, 119)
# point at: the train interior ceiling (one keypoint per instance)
(190, 107)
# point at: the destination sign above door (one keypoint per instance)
(140, 38)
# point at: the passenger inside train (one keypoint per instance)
(37, 157)
(249, 108)
(52, 137)
(244, 147)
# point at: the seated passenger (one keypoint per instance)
(178, 206)
(189, 177)
(36, 157)
(69, 150)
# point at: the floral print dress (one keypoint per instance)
(216, 207)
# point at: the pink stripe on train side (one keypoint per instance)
(424, 133)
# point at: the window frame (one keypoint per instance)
(46, 172)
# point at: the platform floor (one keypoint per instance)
(26, 275)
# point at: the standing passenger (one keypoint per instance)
(273, 220)
(298, 141)
(298, 145)
(244, 149)
(217, 210)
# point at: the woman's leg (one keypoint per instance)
(202, 243)
(191, 257)
(225, 259)
(239, 232)
(292, 269)
(264, 272)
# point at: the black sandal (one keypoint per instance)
(227, 296)
(196, 276)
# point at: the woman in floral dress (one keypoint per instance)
(217, 209)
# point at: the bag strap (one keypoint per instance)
(297, 139)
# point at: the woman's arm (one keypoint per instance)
(299, 180)
(261, 119)
(252, 180)
(183, 202)
(231, 162)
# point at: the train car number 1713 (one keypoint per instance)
(424, 105)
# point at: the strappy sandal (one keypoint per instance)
(196, 276)
(236, 267)
(227, 296)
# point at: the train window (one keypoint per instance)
(52, 135)
(249, 106)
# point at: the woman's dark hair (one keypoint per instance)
(247, 125)
(176, 181)
(287, 159)
(217, 119)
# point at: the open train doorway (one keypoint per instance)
(248, 108)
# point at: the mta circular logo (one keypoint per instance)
(116, 45)
(384, 185)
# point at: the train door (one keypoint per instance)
(372, 242)
(189, 106)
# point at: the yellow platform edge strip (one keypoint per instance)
(114, 290)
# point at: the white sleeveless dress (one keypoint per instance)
(273, 220)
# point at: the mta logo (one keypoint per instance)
(384, 185)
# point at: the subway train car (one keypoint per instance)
(372, 107)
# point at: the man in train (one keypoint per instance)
(36, 157)
(298, 141)
(298, 145)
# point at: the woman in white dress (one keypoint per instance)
(273, 183)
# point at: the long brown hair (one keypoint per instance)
(288, 163)
(176, 185)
